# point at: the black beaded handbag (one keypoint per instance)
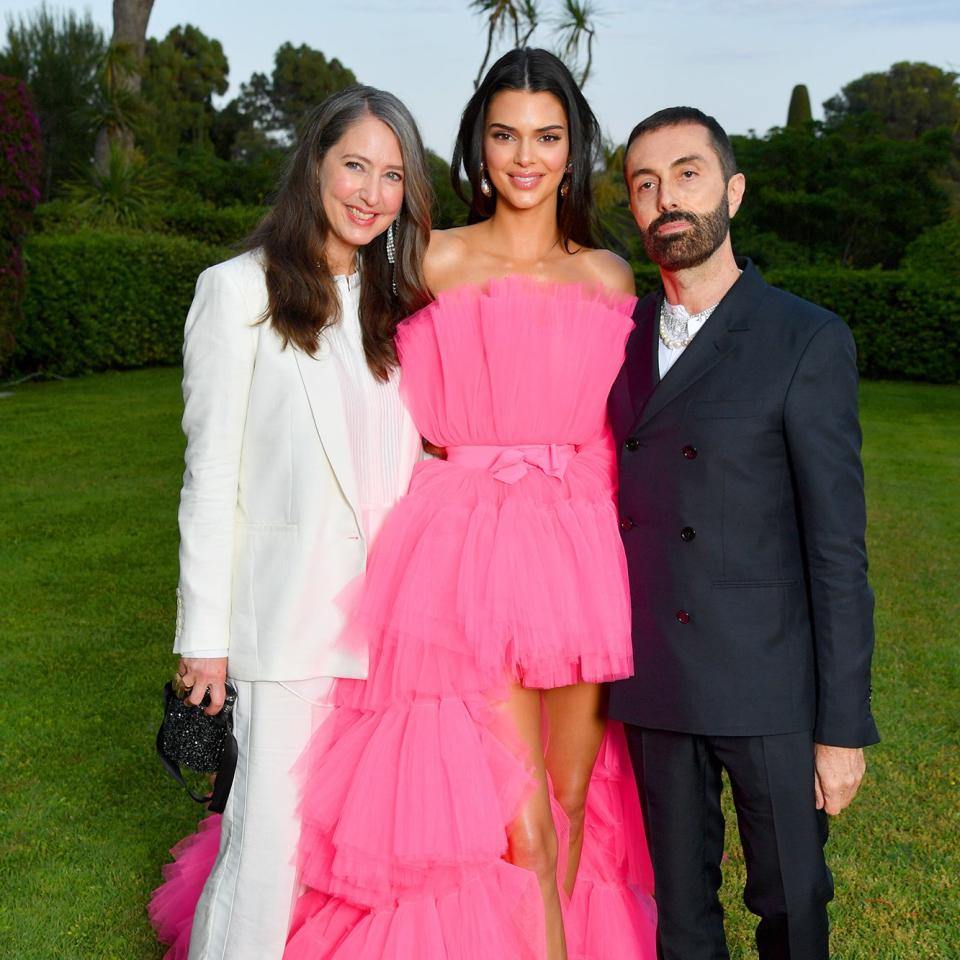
(190, 738)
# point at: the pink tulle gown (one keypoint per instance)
(503, 564)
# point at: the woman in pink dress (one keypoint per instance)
(468, 800)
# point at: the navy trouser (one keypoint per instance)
(782, 832)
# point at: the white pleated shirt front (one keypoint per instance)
(373, 411)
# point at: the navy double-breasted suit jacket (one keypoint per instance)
(742, 511)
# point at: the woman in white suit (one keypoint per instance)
(297, 446)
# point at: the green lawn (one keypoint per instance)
(91, 470)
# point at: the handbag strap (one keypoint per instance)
(224, 778)
(217, 798)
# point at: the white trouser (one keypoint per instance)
(244, 911)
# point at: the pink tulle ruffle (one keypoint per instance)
(173, 904)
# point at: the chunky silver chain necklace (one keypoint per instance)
(675, 323)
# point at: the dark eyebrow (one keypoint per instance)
(509, 129)
(692, 158)
(679, 162)
(363, 159)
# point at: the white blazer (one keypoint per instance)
(270, 532)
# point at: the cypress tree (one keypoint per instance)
(799, 113)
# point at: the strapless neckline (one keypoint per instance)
(514, 283)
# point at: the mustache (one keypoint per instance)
(672, 216)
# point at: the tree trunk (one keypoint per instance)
(130, 18)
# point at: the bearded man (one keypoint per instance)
(742, 511)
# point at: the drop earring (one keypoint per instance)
(392, 254)
(485, 187)
(567, 177)
(392, 242)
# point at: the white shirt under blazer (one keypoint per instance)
(271, 530)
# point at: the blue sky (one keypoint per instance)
(736, 60)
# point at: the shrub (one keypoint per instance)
(196, 219)
(221, 226)
(200, 173)
(937, 251)
(99, 300)
(906, 323)
(19, 193)
(128, 193)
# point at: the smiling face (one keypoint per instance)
(361, 189)
(526, 147)
(678, 196)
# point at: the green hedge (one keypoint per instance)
(196, 219)
(222, 226)
(906, 323)
(99, 300)
(936, 251)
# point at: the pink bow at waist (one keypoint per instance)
(509, 464)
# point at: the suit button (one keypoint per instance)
(687, 534)
(632, 444)
(690, 453)
(683, 616)
(626, 523)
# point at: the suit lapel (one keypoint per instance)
(716, 337)
(322, 385)
(640, 361)
(704, 352)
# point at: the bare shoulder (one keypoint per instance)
(609, 270)
(446, 255)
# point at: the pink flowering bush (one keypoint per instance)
(19, 194)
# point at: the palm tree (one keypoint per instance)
(130, 19)
(574, 25)
(116, 109)
(523, 16)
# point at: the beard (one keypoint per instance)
(681, 251)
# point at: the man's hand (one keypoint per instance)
(837, 775)
(201, 673)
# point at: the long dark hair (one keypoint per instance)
(292, 236)
(536, 71)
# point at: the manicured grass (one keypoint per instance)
(88, 540)
(91, 470)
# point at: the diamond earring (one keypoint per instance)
(392, 242)
(567, 177)
(392, 253)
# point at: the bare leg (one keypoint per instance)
(532, 835)
(577, 719)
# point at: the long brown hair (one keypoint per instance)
(292, 236)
